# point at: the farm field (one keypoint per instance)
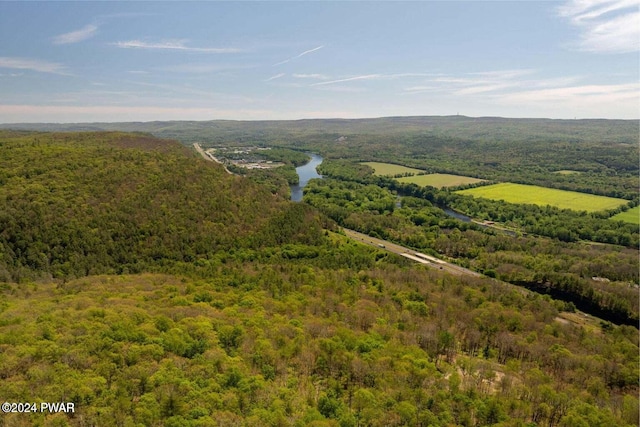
(390, 168)
(567, 172)
(440, 180)
(632, 216)
(532, 194)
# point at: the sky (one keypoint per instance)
(143, 61)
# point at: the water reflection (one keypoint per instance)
(305, 173)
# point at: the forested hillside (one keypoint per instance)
(151, 288)
(77, 204)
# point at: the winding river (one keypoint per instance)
(308, 171)
(305, 173)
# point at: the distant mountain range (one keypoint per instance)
(454, 126)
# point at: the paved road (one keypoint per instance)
(210, 158)
(201, 151)
(384, 244)
(409, 253)
(584, 318)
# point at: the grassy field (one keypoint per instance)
(567, 172)
(440, 180)
(632, 216)
(532, 194)
(390, 169)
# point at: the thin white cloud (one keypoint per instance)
(342, 89)
(306, 52)
(311, 76)
(487, 82)
(405, 75)
(420, 89)
(504, 74)
(554, 82)
(597, 100)
(175, 45)
(32, 64)
(586, 93)
(77, 36)
(607, 26)
(277, 76)
(585, 10)
(484, 88)
(170, 91)
(25, 113)
(374, 77)
(309, 51)
(567, 96)
(204, 68)
(114, 113)
(350, 79)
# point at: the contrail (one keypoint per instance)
(277, 76)
(365, 77)
(309, 51)
(298, 56)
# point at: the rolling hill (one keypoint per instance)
(76, 204)
(147, 287)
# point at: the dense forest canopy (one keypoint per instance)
(151, 288)
(77, 204)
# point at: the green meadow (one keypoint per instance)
(440, 180)
(532, 194)
(632, 216)
(390, 169)
(567, 172)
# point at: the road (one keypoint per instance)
(579, 317)
(409, 253)
(210, 158)
(384, 244)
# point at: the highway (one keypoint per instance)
(210, 158)
(410, 254)
(579, 317)
(386, 245)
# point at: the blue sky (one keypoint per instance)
(143, 61)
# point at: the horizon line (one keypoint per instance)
(6, 124)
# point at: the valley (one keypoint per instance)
(147, 286)
(320, 214)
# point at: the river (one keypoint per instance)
(308, 171)
(456, 215)
(305, 173)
